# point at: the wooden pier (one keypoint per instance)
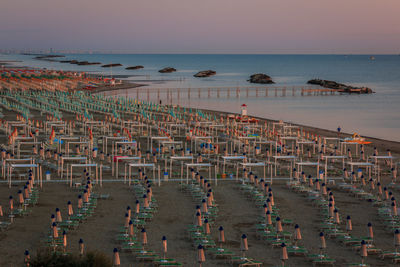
(169, 94)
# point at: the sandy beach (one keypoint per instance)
(238, 213)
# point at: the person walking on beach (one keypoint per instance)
(338, 131)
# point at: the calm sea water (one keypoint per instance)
(376, 115)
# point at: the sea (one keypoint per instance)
(373, 115)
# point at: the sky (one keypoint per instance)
(203, 26)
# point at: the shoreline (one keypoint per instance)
(394, 146)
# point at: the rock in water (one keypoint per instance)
(260, 78)
(341, 87)
(205, 73)
(135, 67)
(167, 70)
(111, 65)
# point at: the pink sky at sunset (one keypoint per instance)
(207, 26)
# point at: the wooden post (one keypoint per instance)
(266, 91)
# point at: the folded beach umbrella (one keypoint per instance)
(364, 252)
(11, 203)
(116, 261)
(394, 209)
(200, 254)
(379, 188)
(204, 206)
(144, 237)
(81, 246)
(64, 240)
(131, 229)
(137, 207)
(198, 219)
(127, 219)
(243, 244)
(27, 258)
(297, 233)
(370, 231)
(284, 255)
(206, 227)
(52, 220)
(85, 196)
(269, 204)
(55, 231)
(26, 192)
(20, 197)
(164, 245)
(278, 225)
(221, 237)
(80, 202)
(337, 217)
(323, 242)
(70, 209)
(58, 215)
(397, 238)
(386, 193)
(145, 201)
